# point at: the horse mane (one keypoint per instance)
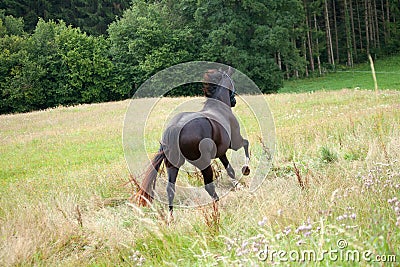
(211, 80)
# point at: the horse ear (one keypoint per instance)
(230, 71)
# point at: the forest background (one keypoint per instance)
(84, 51)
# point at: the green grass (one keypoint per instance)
(63, 174)
(359, 77)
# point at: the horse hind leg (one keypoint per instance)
(172, 175)
(208, 151)
(229, 169)
(208, 182)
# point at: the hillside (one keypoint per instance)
(63, 189)
(387, 72)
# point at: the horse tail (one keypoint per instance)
(146, 193)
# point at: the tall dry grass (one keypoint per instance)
(60, 197)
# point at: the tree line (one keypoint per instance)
(77, 51)
(91, 16)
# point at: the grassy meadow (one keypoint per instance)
(334, 189)
(359, 77)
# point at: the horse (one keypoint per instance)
(199, 137)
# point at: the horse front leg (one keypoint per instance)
(246, 168)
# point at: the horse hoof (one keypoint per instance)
(246, 170)
(170, 218)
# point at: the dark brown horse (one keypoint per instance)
(199, 137)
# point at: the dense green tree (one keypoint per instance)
(10, 25)
(249, 34)
(77, 67)
(56, 65)
(152, 36)
(92, 16)
(85, 67)
(13, 57)
(144, 41)
(13, 63)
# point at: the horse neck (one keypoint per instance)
(223, 95)
(215, 103)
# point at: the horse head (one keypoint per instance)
(219, 85)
